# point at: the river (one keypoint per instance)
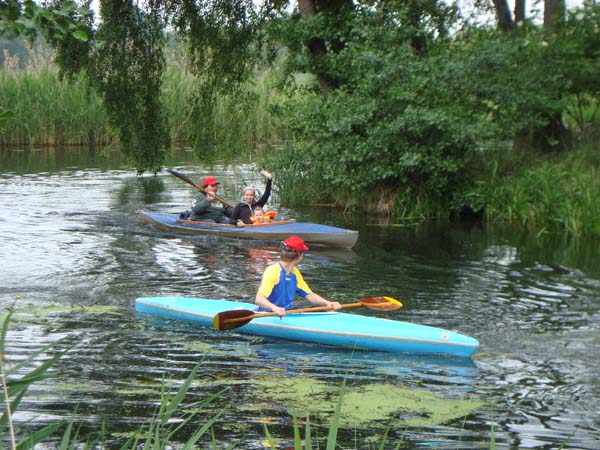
(74, 257)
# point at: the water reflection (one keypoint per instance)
(416, 370)
(151, 188)
(53, 159)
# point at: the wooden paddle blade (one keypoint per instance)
(381, 303)
(182, 177)
(197, 186)
(229, 320)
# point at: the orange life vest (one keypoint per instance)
(269, 215)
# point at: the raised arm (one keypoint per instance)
(265, 197)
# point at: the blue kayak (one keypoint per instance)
(311, 233)
(327, 328)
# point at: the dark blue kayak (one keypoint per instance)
(311, 233)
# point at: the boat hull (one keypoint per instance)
(329, 328)
(311, 233)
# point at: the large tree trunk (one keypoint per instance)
(503, 15)
(554, 13)
(554, 17)
(316, 46)
(519, 11)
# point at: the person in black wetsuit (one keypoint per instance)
(245, 209)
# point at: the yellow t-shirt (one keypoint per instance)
(281, 288)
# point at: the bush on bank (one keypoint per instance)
(427, 135)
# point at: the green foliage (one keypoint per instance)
(577, 49)
(391, 126)
(224, 42)
(508, 81)
(410, 126)
(548, 194)
(222, 37)
(29, 19)
(128, 71)
(125, 63)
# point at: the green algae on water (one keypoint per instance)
(362, 405)
(411, 407)
(27, 314)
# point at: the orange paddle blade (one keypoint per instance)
(228, 320)
(381, 303)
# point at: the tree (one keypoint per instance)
(318, 45)
(370, 58)
(519, 11)
(505, 21)
(225, 38)
(554, 13)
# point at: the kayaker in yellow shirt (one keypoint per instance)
(281, 282)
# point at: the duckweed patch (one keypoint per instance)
(298, 393)
(364, 404)
(412, 407)
(28, 314)
(139, 389)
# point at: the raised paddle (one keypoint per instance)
(197, 186)
(229, 320)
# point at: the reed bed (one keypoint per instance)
(48, 110)
(558, 194)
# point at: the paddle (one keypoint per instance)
(197, 186)
(229, 320)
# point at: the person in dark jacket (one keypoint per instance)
(206, 208)
(244, 210)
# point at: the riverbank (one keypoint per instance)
(544, 192)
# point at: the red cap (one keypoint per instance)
(296, 244)
(210, 181)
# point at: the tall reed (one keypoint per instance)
(177, 99)
(557, 194)
(236, 122)
(48, 110)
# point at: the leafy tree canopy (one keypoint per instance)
(30, 19)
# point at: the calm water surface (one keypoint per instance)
(74, 257)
